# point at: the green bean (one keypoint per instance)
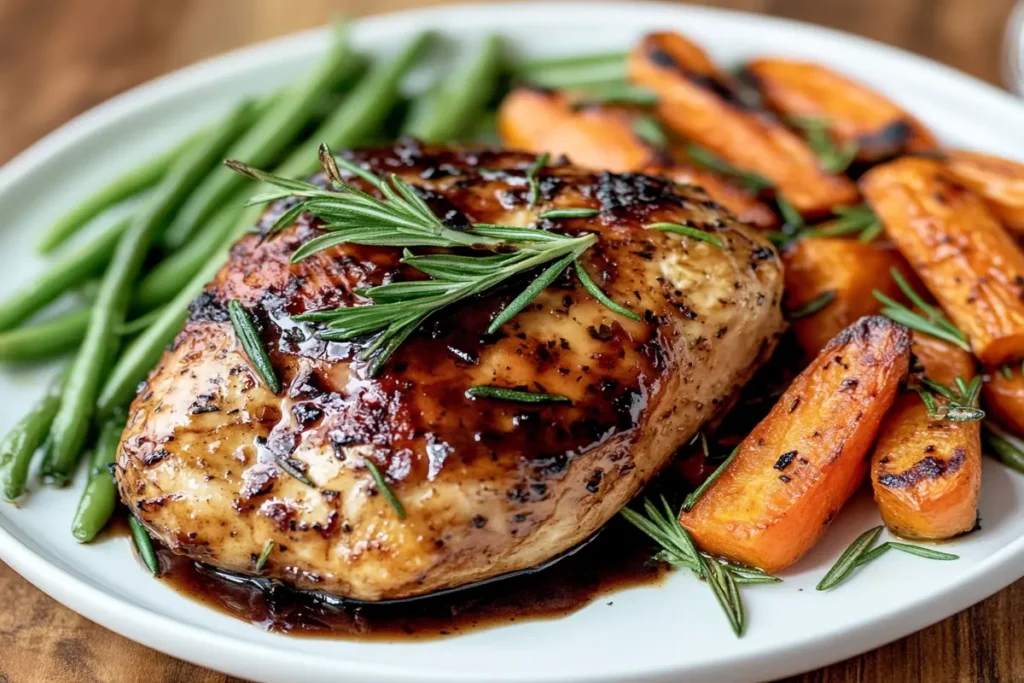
(97, 502)
(135, 181)
(25, 438)
(71, 423)
(265, 142)
(144, 545)
(63, 274)
(449, 111)
(44, 339)
(568, 72)
(358, 117)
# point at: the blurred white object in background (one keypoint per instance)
(1013, 50)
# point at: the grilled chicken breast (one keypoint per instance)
(488, 486)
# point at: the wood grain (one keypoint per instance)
(61, 57)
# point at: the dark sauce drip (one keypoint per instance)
(619, 557)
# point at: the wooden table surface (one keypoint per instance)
(61, 57)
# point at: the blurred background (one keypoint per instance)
(58, 58)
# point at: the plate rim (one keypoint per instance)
(202, 645)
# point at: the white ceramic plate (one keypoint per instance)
(670, 632)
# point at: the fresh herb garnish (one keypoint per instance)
(687, 230)
(1006, 447)
(517, 395)
(860, 553)
(568, 213)
(144, 544)
(932, 321)
(382, 485)
(261, 562)
(850, 220)
(794, 222)
(961, 400)
(753, 182)
(531, 178)
(616, 93)
(663, 526)
(832, 158)
(247, 334)
(813, 306)
(287, 467)
(1006, 371)
(595, 291)
(692, 499)
(650, 131)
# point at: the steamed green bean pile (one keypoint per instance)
(114, 295)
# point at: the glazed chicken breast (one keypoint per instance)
(488, 486)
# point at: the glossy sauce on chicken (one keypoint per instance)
(489, 486)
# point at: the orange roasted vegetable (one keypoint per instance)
(999, 181)
(840, 273)
(1004, 398)
(971, 265)
(604, 137)
(798, 467)
(699, 103)
(926, 472)
(853, 113)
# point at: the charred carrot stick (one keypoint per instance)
(853, 114)
(958, 248)
(701, 104)
(800, 465)
(610, 138)
(999, 181)
(829, 284)
(926, 466)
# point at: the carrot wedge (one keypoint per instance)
(999, 181)
(971, 265)
(853, 113)
(835, 276)
(798, 467)
(926, 471)
(1003, 397)
(697, 101)
(604, 137)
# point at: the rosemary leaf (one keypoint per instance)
(1006, 371)
(1006, 447)
(650, 131)
(617, 93)
(595, 291)
(922, 552)
(519, 396)
(789, 214)
(530, 293)
(688, 231)
(569, 213)
(261, 562)
(847, 562)
(144, 545)
(813, 306)
(382, 485)
(831, 157)
(724, 588)
(753, 182)
(692, 499)
(286, 466)
(532, 181)
(933, 322)
(251, 343)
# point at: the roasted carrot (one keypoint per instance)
(829, 281)
(971, 265)
(999, 181)
(698, 102)
(797, 468)
(605, 137)
(926, 470)
(852, 113)
(1003, 397)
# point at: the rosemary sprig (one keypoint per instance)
(857, 220)
(678, 549)
(532, 181)
(588, 284)
(694, 496)
(382, 485)
(860, 553)
(251, 343)
(650, 131)
(288, 468)
(794, 221)
(1004, 446)
(813, 306)
(568, 213)
(832, 158)
(144, 544)
(261, 561)
(688, 230)
(961, 400)
(932, 321)
(517, 395)
(753, 182)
